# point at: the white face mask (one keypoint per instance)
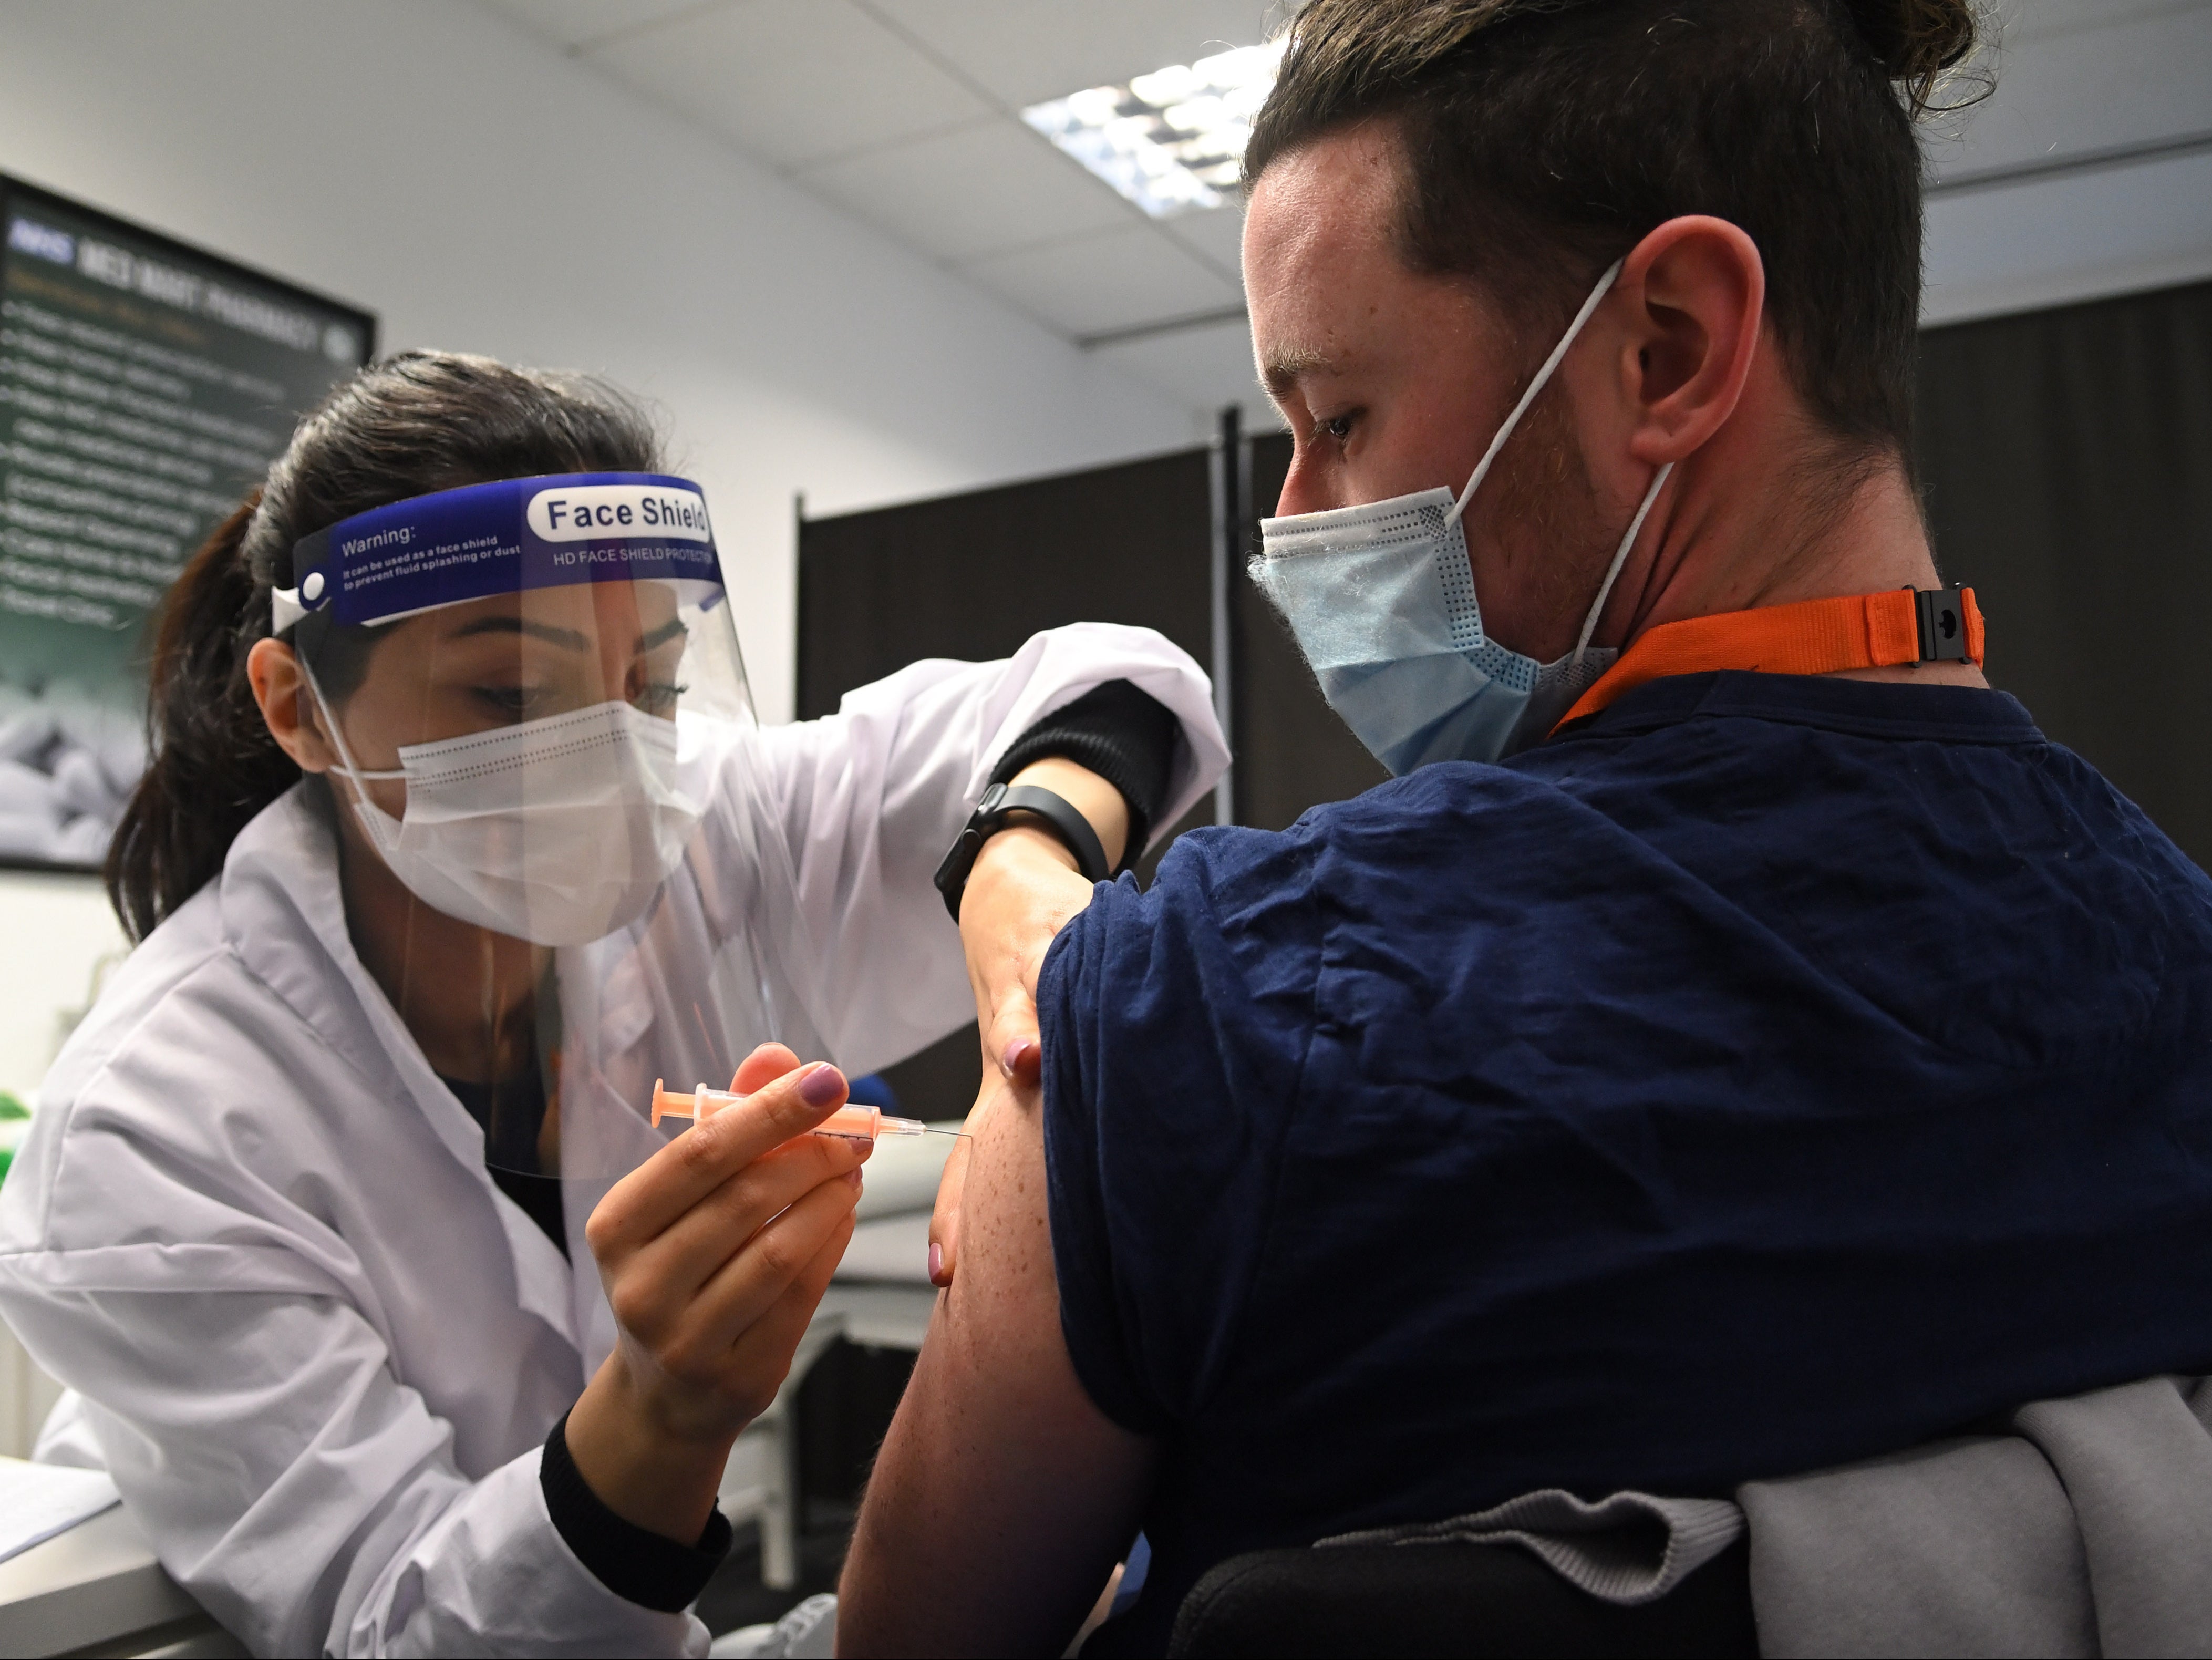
(1380, 598)
(557, 831)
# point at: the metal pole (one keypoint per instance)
(1232, 481)
(798, 569)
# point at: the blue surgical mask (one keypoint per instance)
(1380, 599)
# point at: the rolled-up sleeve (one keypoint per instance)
(1175, 1026)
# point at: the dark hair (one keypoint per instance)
(417, 422)
(1542, 138)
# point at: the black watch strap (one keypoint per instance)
(1060, 815)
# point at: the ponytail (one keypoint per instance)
(1920, 42)
(420, 422)
(213, 765)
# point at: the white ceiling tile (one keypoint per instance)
(572, 22)
(1117, 280)
(1027, 50)
(2020, 20)
(1215, 235)
(2128, 78)
(1202, 368)
(2054, 241)
(791, 80)
(976, 191)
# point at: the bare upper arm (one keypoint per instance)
(1003, 1496)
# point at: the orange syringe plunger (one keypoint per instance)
(858, 1123)
(700, 1105)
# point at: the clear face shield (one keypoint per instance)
(546, 737)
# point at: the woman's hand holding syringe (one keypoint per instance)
(714, 1254)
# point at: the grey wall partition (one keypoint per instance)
(973, 576)
(2066, 460)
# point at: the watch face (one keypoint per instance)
(960, 857)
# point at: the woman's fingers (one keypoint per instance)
(776, 1333)
(800, 1247)
(715, 1251)
(749, 1371)
(763, 1066)
(684, 1320)
(697, 1162)
(770, 1341)
(694, 1247)
(767, 1117)
(1011, 1042)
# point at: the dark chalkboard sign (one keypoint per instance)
(145, 386)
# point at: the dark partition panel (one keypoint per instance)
(2066, 460)
(972, 577)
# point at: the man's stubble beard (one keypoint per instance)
(1538, 511)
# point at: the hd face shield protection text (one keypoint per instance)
(543, 728)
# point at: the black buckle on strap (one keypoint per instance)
(1942, 615)
(1056, 814)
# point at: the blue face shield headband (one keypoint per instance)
(507, 537)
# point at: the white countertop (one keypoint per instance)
(99, 1584)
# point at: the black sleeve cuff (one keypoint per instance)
(633, 1562)
(1125, 736)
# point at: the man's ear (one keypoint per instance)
(1699, 288)
(272, 670)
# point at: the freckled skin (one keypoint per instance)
(972, 1538)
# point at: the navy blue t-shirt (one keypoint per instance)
(1767, 1072)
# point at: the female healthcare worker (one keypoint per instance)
(298, 1218)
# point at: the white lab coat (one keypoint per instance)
(318, 1348)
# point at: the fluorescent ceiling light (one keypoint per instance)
(1170, 140)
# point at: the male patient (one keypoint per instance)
(1756, 1050)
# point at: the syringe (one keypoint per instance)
(855, 1122)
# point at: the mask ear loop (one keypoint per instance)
(1619, 558)
(354, 773)
(1543, 375)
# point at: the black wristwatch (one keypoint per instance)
(1059, 816)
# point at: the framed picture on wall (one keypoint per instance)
(145, 386)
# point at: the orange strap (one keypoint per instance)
(1815, 636)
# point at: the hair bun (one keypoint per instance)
(1915, 41)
